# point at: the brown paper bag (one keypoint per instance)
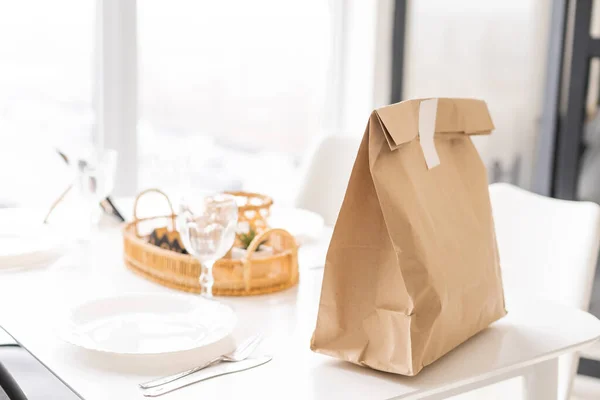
(412, 269)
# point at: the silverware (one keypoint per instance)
(242, 352)
(208, 373)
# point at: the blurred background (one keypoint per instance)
(233, 95)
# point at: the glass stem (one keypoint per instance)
(206, 278)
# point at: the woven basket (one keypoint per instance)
(247, 276)
(253, 210)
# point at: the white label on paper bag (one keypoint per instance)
(427, 115)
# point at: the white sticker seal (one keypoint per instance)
(427, 116)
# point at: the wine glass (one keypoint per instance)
(207, 225)
(94, 180)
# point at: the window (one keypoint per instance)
(46, 55)
(231, 93)
(216, 95)
(494, 51)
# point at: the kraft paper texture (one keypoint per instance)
(412, 269)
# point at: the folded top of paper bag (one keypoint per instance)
(401, 121)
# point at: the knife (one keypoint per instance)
(208, 373)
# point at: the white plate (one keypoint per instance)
(147, 323)
(304, 225)
(20, 250)
(25, 241)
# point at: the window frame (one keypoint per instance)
(116, 88)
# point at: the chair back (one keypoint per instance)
(325, 176)
(548, 249)
(9, 390)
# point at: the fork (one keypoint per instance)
(242, 352)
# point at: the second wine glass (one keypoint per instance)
(207, 225)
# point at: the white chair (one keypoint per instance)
(326, 174)
(548, 249)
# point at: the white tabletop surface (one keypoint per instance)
(31, 302)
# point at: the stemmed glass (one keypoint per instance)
(207, 225)
(94, 181)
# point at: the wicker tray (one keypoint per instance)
(241, 277)
(254, 210)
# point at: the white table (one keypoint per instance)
(527, 342)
